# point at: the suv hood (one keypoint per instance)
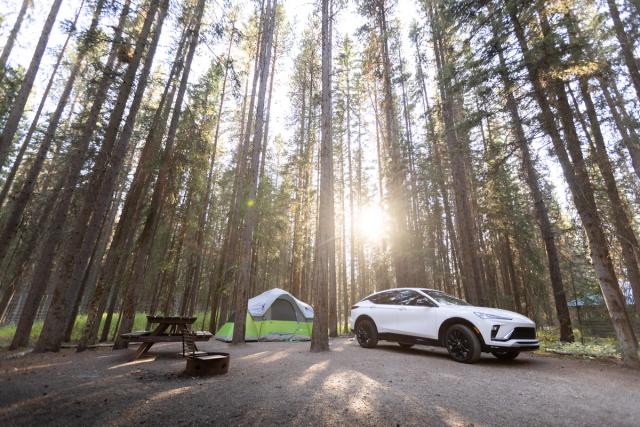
(496, 311)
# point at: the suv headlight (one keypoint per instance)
(491, 316)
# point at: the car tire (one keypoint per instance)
(505, 354)
(405, 344)
(462, 344)
(366, 333)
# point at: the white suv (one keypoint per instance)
(425, 316)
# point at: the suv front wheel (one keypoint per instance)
(463, 345)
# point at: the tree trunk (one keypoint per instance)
(93, 270)
(296, 245)
(45, 96)
(621, 118)
(13, 34)
(145, 239)
(77, 253)
(626, 45)
(403, 258)
(333, 286)
(249, 192)
(540, 208)
(578, 179)
(13, 120)
(58, 217)
(470, 269)
(205, 214)
(343, 245)
(418, 238)
(325, 243)
(621, 222)
(125, 230)
(17, 210)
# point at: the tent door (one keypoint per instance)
(282, 309)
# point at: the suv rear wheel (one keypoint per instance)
(366, 333)
(463, 345)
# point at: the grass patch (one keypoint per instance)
(140, 323)
(593, 347)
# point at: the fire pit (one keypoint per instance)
(212, 363)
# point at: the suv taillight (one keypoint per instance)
(353, 307)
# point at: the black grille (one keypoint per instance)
(524, 334)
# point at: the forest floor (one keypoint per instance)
(283, 383)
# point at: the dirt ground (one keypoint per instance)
(282, 384)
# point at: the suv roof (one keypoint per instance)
(404, 288)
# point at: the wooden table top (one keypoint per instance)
(176, 320)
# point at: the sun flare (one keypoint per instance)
(370, 223)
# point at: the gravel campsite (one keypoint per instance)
(284, 384)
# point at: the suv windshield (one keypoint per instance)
(444, 299)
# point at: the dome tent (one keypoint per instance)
(274, 315)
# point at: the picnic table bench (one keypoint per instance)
(168, 329)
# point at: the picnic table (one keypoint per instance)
(168, 329)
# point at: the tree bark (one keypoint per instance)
(45, 96)
(249, 192)
(58, 217)
(539, 205)
(403, 258)
(582, 191)
(621, 222)
(626, 45)
(77, 253)
(8, 47)
(325, 243)
(630, 137)
(17, 209)
(19, 103)
(143, 245)
(205, 214)
(470, 268)
(124, 235)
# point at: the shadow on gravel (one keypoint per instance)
(441, 353)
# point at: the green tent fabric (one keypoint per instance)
(225, 333)
(274, 315)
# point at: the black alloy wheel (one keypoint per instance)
(463, 344)
(366, 333)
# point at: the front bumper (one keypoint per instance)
(512, 336)
(518, 345)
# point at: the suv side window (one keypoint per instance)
(422, 301)
(374, 299)
(409, 297)
(402, 297)
(386, 297)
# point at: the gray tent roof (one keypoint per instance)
(259, 305)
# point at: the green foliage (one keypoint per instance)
(139, 324)
(10, 81)
(7, 331)
(600, 348)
